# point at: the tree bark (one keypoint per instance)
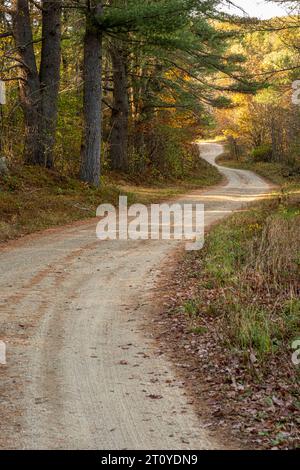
(50, 76)
(119, 117)
(92, 96)
(30, 96)
(39, 91)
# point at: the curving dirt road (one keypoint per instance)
(81, 371)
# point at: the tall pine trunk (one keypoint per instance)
(38, 91)
(120, 112)
(30, 95)
(92, 96)
(50, 76)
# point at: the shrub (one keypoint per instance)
(263, 153)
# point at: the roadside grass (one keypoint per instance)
(236, 314)
(33, 199)
(250, 269)
(234, 318)
(263, 261)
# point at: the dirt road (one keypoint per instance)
(82, 373)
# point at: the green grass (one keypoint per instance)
(33, 198)
(190, 308)
(252, 329)
(249, 277)
(198, 330)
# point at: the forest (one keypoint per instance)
(102, 98)
(166, 79)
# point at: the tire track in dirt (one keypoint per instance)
(82, 370)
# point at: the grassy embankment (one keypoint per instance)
(260, 250)
(33, 199)
(245, 307)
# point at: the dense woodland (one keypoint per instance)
(126, 86)
(265, 125)
(106, 97)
